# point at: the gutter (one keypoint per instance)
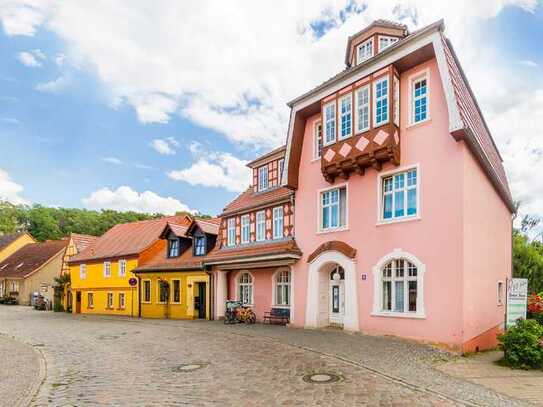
(255, 258)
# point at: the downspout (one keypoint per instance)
(139, 296)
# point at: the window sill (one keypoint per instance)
(412, 125)
(323, 232)
(400, 220)
(175, 303)
(281, 306)
(345, 138)
(90, 307)
(399, 315)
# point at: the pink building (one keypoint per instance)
(403, 211)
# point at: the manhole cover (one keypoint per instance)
(189, 367)
(321, 378)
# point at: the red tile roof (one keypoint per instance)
(127, 239)
(479, 138)
(178, 230)
(30, 258)
(186, 261)
(210, 226)
(270, 248)
(249, 199)
(82, 241)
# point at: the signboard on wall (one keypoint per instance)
(517, 300)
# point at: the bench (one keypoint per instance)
(279, 316)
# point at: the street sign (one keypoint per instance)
(517, 299)
(133, 282)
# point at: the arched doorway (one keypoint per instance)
(332, 292)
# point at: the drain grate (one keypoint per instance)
(321, 378)
(189, 367)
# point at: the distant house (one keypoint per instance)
(12, 242)
(101, 272)
(32, 268)
(174, 282)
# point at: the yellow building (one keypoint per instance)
(174, 283)
(101, 274)
(9, 244)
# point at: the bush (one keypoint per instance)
(58, 307)
(523, 345)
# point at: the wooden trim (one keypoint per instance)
(335, 245)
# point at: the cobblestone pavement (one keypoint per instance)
(99, 361)
(15, 389)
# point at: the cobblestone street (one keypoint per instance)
(98, 361)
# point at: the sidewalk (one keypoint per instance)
(525, 385)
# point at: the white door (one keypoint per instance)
(337, 301)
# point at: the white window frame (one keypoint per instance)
(377, 272)
(317, 152)
(368, 44)
(357, 109)
(231, 232)
(122, 268)
(257, 226)
(122, 303)
(172, 296)
(376, 99)
(245, 226)
(109, 300)
(107, 269)
(380, 207)
(263, 178)
(143, 282)
(332, 121)
(413, 79)
(90, 300)
(250, 285)
(278, 217)
(500, 293)
(280, 168)
(391, 41)
(320, 192)
(347, 97)
(278, 285)
(82, 271)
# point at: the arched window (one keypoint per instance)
(245, 288)
(339, 270)
(399, 282)
(282, 288)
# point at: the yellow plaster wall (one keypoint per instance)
(182, 310)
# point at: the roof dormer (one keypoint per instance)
(372, 40)
(267, 170)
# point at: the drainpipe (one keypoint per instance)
(139, 296)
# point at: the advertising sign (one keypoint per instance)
(517, 300)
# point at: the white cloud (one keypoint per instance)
(125, 198)
(9, 190)
(112, 160)
(23, 17)
(31, 58)
(165, 146)
(528, 63)
(55, 85)
(214, 169)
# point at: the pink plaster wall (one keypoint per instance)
(435, 239)
(487, 251)
(262, 289)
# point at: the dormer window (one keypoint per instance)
(263, 178)
(199, 245)
(173, 248)
(385, 42)
(365, 51)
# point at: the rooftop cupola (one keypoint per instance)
(372, 40)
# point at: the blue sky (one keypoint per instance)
(80, 109)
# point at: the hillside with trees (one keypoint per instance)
(45, 223)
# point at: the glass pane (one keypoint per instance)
(387, 296)
(398, 204)
(334, 216)
(399, 300)
(343, 207)
(387, 212)
(412, 202)
(325, 218)
(413, 296)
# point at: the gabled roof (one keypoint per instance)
(6, 240)
(251, 200)
(82, 241)
(274, 154)
(209, 226)
(128, 239)
(186, 261)
(30, 258)
(179, 230)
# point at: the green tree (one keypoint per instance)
(10, 218)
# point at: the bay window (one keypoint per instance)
(385, 42)
(362, 101)
(245, 229)
(260, 226)
(381, 101)
(345, 104)
(365, 51)
(330, 123)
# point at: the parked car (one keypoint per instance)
(10, 301)
(41, 304)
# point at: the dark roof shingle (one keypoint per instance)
(31, 257)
